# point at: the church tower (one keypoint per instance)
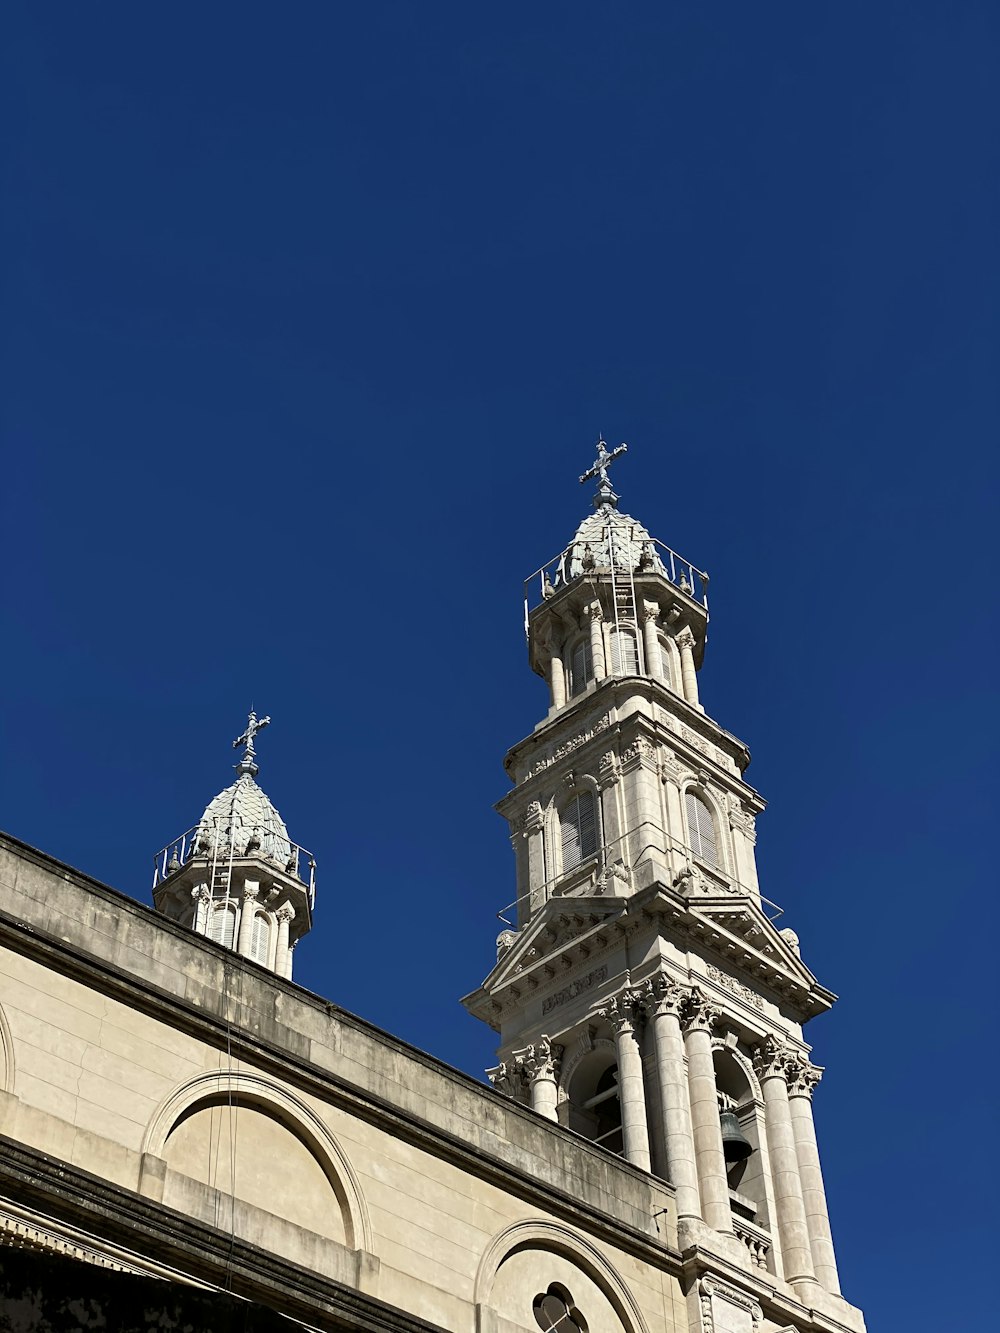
(643, 994)
(236, 876)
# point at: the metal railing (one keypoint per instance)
(619, 551)
(610, 861)
(213, 843)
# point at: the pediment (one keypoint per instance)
(735, 930)
(562, 925)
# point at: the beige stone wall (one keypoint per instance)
(341, 1140)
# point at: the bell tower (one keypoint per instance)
(644, 995)
(236, 876)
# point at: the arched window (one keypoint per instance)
(578, 825)
(595, 1108)
(260, 939)
(222, 925)
(666, 662)
(624, 653)
(581, 667)
(701, 828)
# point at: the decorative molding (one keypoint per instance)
(729, 983)
(575, 988)
(710, 1290)
(573, 743)
(505, 942)
(534, 817)
(642, 750)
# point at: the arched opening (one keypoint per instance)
(747, 1193)
(595, 1108)
(701, 828)
(260, 939)
(578, 830)
(666, 661)
(624, 652)
(222, 925)
(581, 667)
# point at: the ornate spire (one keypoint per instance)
(248, 764)
(605, 457)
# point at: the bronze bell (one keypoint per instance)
(736, 1147)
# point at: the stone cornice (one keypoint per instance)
(602, 697)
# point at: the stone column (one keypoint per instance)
(557, 679)
(802, 1077)
(284, 916)
(770, 1059)
(650, 640)
(287, 974)
(541, 1068)
(713, 1183)
(595, 615)
(620, 1013)
(689, 677)
(663, 1002)
(532, 895)
(251, 888)
(202, 895)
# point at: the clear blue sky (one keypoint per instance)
(312, 314)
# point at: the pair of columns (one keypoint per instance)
(682, 1021)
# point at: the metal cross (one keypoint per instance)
(605, 458)
(253, 726)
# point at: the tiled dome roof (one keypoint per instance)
(243, 817)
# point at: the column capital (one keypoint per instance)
(662, 995)
(620, 1011)
(650, 610)
(286, 912)
(593, 611)
(507, 1078)
(541, 1060)
(685, 639)
(202, 893)
(250, 889)
(801, 1075)
(770, 1057)
(700, 1014)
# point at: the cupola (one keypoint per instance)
(236, 876)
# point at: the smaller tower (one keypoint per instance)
(236, 876)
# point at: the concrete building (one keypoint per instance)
(185, 1131)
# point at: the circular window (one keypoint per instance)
(555, 1312)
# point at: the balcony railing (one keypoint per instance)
(294, 860)
(610, 871)
(622, 553)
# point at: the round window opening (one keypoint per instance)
(555, 1312)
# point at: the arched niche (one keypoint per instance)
(6, 1055)
(288, 1165)
(529, 1258)
(592, 1107)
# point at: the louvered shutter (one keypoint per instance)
(222, 926)
(260, 939)
(579, 830)
(581, 667)
(624, 654)
(701, 829)
(665, 662)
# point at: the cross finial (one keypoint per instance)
(605, 457)
(254, 724)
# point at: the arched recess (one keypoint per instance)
(750, 1179)
(6, 1055)
(693, 787)
(253, 1090)
(540, 1237)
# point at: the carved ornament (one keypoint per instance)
(729, 983)
(575, 988)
